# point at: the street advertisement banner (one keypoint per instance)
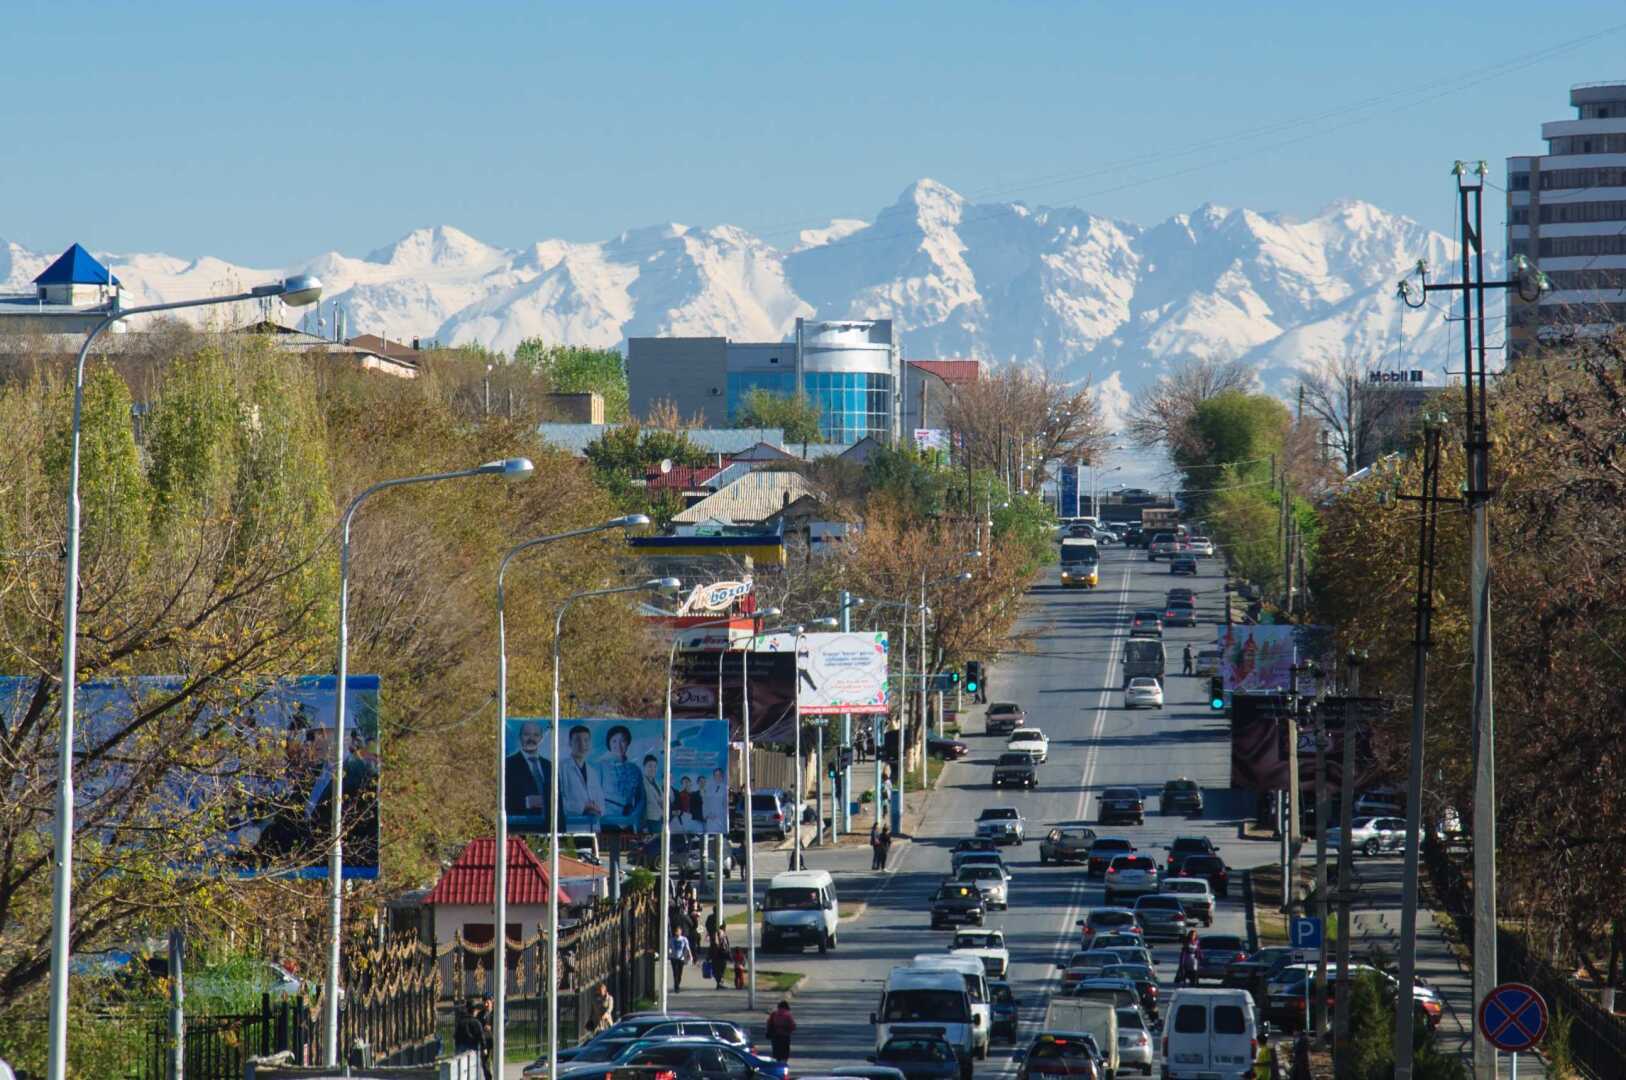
(842, 673)
(265, 753)
(613, 773)
(1261, 657)
(1068, 485)
(716, 597)
(772, 678)
(1259, 751)
(931, 439)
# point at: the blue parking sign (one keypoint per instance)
(1304, 932)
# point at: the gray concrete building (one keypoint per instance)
(1566, 212)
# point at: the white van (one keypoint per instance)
(975, 977)
(1210, 1033)
(1083, 1016)
(800, 909)
(930, 1001)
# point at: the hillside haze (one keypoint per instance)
(1092, 297)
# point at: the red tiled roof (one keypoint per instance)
(681, 478)
(951, 371)
(472, 876)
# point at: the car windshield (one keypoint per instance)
(998, 813)
(1204, 864)
(1149, 615)
(1133, 862)
(1075, 835)
(948, 1006)
(1015, 759)
(980, 872)
(1168, 903)
(1132, 1019)
(1111, 918)
(916, 1050)
(1176, 885)
(1189, 843)
(1113, 844)
(956, 892)
(975, 939)
(1004, 707)
(1052, 1049)
(1120, 793)
(1031, 734)
(765, 803)
(1221, 943)
(1137, 972)
(1001, 993)
(1143, 684)
(1180, 785)
(792, 899)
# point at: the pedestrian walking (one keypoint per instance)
(1186, 661)
(712, 924)
(680, 953)
(467, 1033)
(781, 1026)
(885, 845)
(875, 847)
(1191, 958)
(605, 1007)
(719, 956)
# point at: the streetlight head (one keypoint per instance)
(963, 576)
(301, 290)
(826, 623)
(630, 521)
(663, 584)
(974, 554)
(769, 613)
(514, 468)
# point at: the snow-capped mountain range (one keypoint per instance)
(1091, 296)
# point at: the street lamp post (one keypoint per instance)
(555, 810)
(801, 782)
(924, 585)
(297, 291)
(511, 468)
(666, 798)
(842, 785)
(499, 898)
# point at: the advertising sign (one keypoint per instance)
(1067, 481)
(771, 676)
(1259, 752)
(1262, 657)
(838, 672)
(718, 596)
(612, 774)
(930, 439)
(269, 785)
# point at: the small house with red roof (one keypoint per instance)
(462, 899)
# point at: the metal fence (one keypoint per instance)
(1597, 1039)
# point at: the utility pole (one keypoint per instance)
(1353, 715)
(1319, 1015)
(1478, 493)
(1290, 881)
(1427, 530)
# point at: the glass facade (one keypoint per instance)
(741, 383)
(852, 404)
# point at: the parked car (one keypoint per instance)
(1066, 843)
(1181, 796)
(1004, 717)
(1001, 823)
(1143, 693)
(1122, 804)
(1021, 769)
(946, 748)
(1371, 835)
(1183, 564)
(772, 813)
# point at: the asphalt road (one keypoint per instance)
(1070, 688)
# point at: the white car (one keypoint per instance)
(1200, 546)
(1196, 896)
(1208, 661)
(1134, 1040)
(987, 946)
(1031, 740)
(1370, 835)
(1143, 693)
(991, 880)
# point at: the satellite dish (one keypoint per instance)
(666, 466)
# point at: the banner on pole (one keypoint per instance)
(838, 672)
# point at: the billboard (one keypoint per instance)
(1260, 657)
(772, 678)
(1259, 752)
(838, 671)
(613, 772)
(930, 439)
(270, 785)
(1067, 486)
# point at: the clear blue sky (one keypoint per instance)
(265, 133)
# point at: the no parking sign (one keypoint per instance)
(1513, 1017)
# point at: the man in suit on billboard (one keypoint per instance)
(529, 776)
(580, 789)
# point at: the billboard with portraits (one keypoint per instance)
(611, 775)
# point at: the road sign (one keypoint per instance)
(1513, 1017)
(1305, 932)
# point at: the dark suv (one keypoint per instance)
(1182, 796)
(1211, 867)
(1122, 804)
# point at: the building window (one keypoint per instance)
(741, 383)
(1519, 181)
(852, 404)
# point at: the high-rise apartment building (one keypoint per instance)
(1566, 212)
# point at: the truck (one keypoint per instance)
(1156, 519)
(1143, 658)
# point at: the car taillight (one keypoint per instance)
(1112, 869)
(1089, 931)
(1241, 956)
(777, 816)
(666, 1074)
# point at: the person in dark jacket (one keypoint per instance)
(781, 1026)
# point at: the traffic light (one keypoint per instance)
(953, 678)
(1216, 693)
(973, 676)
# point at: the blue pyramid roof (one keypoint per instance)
(76, 266)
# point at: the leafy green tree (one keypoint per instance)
(1234, 427)
(574, 369)
(797, 414)
(908, 480)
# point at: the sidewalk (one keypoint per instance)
(1376, 924)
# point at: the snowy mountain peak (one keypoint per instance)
(1089, 296)
(441, 247)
